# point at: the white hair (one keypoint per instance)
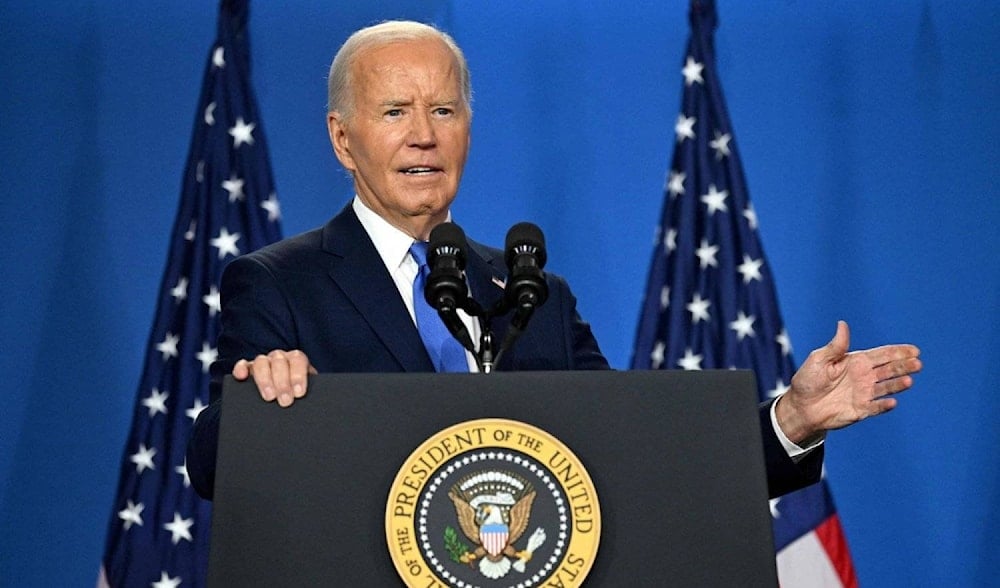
(340, 98)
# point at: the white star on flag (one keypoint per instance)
(670, 241)
(692, 72)
(272, 206)
(676, 183)
(193, 412)
(183, 471)
(721, 144)
(785, 341)
(779, 389)
(242, 133)
(131, 514)
(690, 361)
(179, 528)
(715, 200)
(657, 354)
(665, 297)
(751, 216)
(699, 309)
(206, 356)
(143, 459)
(706, 253)
(189, 235)
(210, 115)
(743, 325)
(750, 268)
(168, 347)
(219, 57)
(180, 291)
(166, 581)
(156, 402)
(234, 186)
(213, 301)
(226, 243)
(773, 505)
(684, 127)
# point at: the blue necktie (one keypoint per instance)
(446, 353)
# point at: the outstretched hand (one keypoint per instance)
(835, 388)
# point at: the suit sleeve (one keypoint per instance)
(255, 320)
(585, 354)
(783, 474)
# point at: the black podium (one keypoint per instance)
(675, 458)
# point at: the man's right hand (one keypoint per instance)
(280, 375)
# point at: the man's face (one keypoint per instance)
(407, 137)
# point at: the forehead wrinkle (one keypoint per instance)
(432, 71)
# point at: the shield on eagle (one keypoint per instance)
(494, 538)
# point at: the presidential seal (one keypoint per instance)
(492, 503)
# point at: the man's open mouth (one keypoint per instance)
(420, 170)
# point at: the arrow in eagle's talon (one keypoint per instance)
(536, 540)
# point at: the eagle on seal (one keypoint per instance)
(494, 519)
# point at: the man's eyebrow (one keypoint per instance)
(396, 102)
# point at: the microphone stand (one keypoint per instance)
(486, 359)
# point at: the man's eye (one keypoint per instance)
(443, 111)
(394, 112)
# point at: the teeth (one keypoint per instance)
(418, 170)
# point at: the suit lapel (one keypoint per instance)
(361, 275)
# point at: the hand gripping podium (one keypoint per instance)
(305, 496)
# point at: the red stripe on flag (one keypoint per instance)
(831, 537)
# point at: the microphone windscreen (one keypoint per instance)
(525, 238)
(448, 238)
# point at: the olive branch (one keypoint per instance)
(453, 545)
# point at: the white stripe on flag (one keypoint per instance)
(804, 564)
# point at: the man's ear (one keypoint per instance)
(337, 128)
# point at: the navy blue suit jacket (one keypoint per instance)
(327, 293)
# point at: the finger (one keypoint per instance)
(842, 339)
(281, 377)
(841, 342)
(261, 370)
(879, 356)
(298, 370)
(241, 371)
(881, 406)
(897, 368)
(892, 386)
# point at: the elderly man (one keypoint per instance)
(340, 298)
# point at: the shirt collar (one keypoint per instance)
(393, 245)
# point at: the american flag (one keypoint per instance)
(159, 529)
(710, 301)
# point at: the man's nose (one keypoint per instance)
(422, 130)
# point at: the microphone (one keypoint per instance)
(446, 290)
(525, 256)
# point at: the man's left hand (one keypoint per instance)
(834, 388)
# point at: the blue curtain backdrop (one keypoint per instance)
(868, 131)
